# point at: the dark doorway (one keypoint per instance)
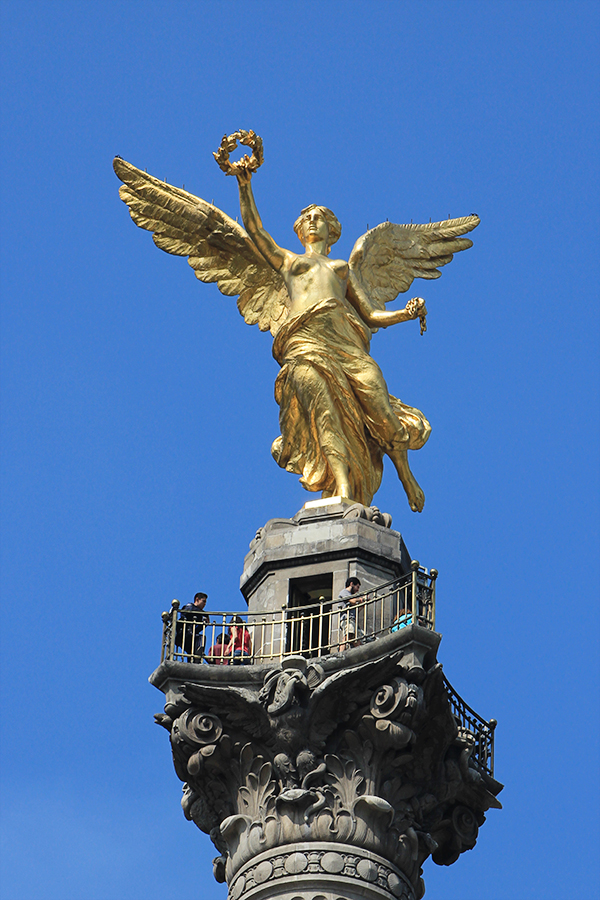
(309, 615)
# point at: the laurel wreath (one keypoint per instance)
(228, 145)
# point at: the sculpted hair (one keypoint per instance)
(335, 229)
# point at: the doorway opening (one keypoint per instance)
(309, 615)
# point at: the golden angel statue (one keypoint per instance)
(337, 418)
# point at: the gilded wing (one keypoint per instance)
(389, 257)
(218, 249)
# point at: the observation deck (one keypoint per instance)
(314, 629)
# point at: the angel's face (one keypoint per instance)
(314, 227)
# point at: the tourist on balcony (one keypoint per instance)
(190, 628)
(350, 634)
(403, 619)
(239, 647)
(216, 655)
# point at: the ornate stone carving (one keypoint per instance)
(348, 871)
(367, 757)
(370, 513)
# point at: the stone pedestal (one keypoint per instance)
(331, 777)
(326, 542)
(304, 562)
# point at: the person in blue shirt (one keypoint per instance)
(403, 619)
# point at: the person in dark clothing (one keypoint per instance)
(190, 628)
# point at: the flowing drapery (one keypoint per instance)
(334, 403)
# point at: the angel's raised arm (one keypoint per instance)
(273, 254)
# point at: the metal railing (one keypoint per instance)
(473, 730)
(322, 627)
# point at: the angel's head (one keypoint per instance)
(317, 223)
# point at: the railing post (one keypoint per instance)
(166, 618)
(434, 574)
(321, 628)
(490, 767)
(174, 609)
(415, 568)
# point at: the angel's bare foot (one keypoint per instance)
(416, 497)
(342, 480)
(343, 491)
(338, 492)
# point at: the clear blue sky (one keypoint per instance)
(138, 406)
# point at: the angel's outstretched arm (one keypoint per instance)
(273, 254)
(378, 318)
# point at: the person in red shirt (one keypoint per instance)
(239, 647)
(216, 654)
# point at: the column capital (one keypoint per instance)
(360, 768)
